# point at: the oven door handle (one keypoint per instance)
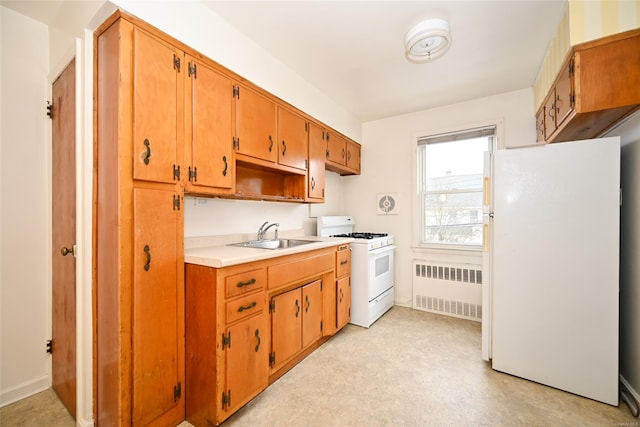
(382, 250)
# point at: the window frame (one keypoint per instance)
(418, 208)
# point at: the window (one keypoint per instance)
(450, 183)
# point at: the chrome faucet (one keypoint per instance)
(264, 227)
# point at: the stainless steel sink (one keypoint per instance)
(273, 244)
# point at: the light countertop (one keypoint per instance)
(213, 251)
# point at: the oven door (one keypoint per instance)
(380, 270)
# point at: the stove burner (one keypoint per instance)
(360, 235)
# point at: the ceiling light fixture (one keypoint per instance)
(427, 40)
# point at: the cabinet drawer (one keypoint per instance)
(294, 271)
(244, 306)
(245, 282)
(343, 261)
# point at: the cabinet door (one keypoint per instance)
(255, 125)
(312, 313)
(563, 93)
(286, 327)
(550, 115)
(157, 299)
(336, 149)
(317, 153)
(353, 156)
(540, 137)
(343, 294)
(211, 133)
(156, 81)
(247, 360)
(293, 139)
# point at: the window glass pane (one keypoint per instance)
(455, 165)
(453, 218)
(450, 183)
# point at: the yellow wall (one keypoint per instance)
(583, 20)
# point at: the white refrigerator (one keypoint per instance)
(554, 278)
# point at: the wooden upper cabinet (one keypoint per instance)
(343, 155)
(559, 103)
(596, 87)
(293, 139)
(540, 125)
(316, 171)
(353, 156)
(157, 322)
(209, 150)
(157, 106)
(336, 149)
(255, 124)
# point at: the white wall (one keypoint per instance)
(25, 290)
(629, 133)
(388, 157)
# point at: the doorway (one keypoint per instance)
(63, 141)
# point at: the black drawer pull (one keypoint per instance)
(343, 262)
(247, 307)
(247, 283)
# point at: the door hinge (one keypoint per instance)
(323, 192)
(272, 306)
(226, 399)
(572, 67)
(50, 109)
(321, 326)
(226, 340)
(176, 172)
(572, 99)
(236, 143)
(193, 174)
(306, 126)
(176, 202)
(272, 358)
(192, 70)
(176, 62)
(236, 92)
(177, 391)
(306, 163)
(327, 152)
(49, 346)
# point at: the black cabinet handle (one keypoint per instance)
(308, 303)
(147, 251)
(246, 307)
(284, 147)
(258, 338)
(341, 295)
(147, 154)
(270, 143)
(247, 283)
(226, 166)
(297, 308)
(313, 183)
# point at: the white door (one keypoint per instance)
(555, 266)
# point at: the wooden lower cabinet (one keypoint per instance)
(246, 362)
(296, 322)
(248, 324)
(343, 295)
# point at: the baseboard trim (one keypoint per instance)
(84, 423)
(23, 390)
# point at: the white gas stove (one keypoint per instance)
(372, 278)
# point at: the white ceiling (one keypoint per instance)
(353, 51)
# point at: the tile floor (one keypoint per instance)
(410, 368)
